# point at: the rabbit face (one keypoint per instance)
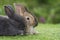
(30, 18)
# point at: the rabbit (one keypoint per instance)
(13, 25)
(30, 18)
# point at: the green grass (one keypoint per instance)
(47, 32)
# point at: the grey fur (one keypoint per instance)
(4, 16)
(13, 25)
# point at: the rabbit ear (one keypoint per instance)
(20, 9)
(9, 10)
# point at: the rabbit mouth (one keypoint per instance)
(29, 30)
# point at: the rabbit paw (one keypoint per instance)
(35, 32)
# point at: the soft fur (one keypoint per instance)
(13, 25)
(16, 22)
(30, 18)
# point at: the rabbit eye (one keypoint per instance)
(27, 18)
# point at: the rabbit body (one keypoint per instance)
(11, 26)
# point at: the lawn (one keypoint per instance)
(47, 32)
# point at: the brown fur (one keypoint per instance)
(21, 10)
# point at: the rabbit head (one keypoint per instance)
(30, 19)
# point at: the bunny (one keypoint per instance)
(14, 24)
(30, 18)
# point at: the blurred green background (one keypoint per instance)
(47, 11)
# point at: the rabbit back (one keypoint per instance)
(9, 27)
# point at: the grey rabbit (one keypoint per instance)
(13, 25)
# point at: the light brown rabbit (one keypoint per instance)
(31, 20)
